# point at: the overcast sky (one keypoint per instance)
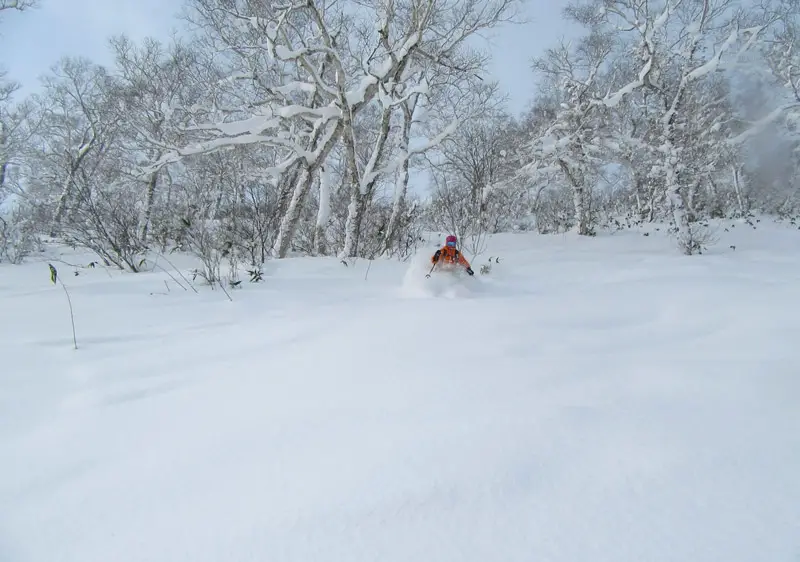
(32, 41)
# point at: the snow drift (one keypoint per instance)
(637, 406)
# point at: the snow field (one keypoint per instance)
(600, 399)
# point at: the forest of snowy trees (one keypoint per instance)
(271, 128)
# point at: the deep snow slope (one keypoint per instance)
(589, 401)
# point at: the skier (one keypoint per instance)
(448, 257)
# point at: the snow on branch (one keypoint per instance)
(404, 157)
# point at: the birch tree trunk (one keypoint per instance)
(69, 182)
(652, 203)
(323, 214)
(361, 189)
(691, 201)
(4, 161)
(152, 183)
(302, 186)
(713, 194)
(66, 195)
(676, 202)
(672, 156)
(637, 190)
(292, 216)
(578, 197)
(737, 188)
(354, 217)
(401, 185)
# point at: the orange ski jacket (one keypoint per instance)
(450, 256)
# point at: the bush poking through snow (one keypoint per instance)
(256, 274)
(207, 243)
(233, 270)
(54, 279)
(486, 268)
(695, 239)
(17, 238)
(103, 223)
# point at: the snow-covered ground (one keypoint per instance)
(590, 400)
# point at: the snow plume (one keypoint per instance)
(440, 284)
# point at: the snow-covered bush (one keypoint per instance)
(18, 235)
(208, 241)
(554, 210)
(106, 222)
(695, 239)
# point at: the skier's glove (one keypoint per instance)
(469, 270)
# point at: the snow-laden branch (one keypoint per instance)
(647, 29)
(536, 169)
(713, 64)
(613, 100)
(428, 145)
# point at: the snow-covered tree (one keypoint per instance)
(303, 74)
(572, 143)
(152, 79)
(466, 199)
(667, 116)
(75, 123)
(280, 127)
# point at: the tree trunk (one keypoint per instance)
(680, 217)
(737, 187)
(285, 189)
(401, 185)
(320, 244)
(292, 216)
(353, 222)
(66, 194)
(691, 201)
(673, 191)
(148, 209)
(363, 202)
(361, 190)
(676, 201)
(637, 190)
(399, 204)
(715, 205)
(66, 191)
(302, 186)
(578, 198)
(4, 163)
(652, 203)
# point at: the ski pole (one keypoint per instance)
(428, 276)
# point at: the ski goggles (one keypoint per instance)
(451, 244)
